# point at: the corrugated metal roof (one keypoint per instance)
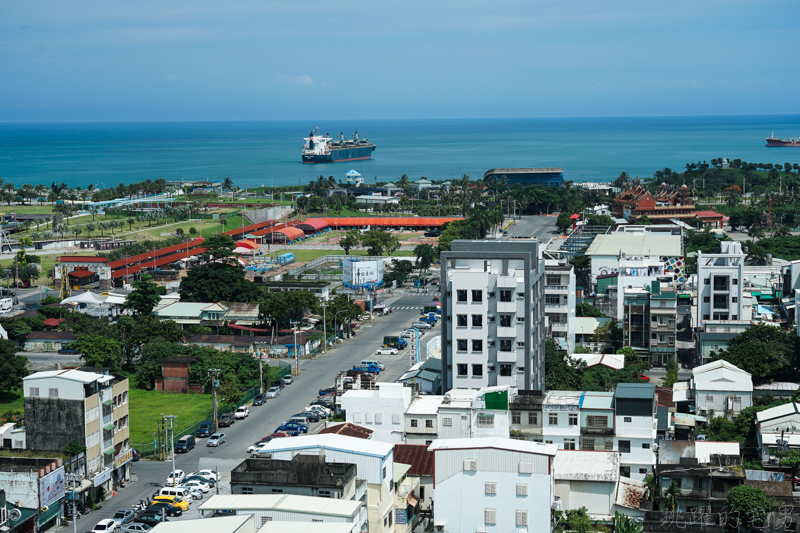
(779, 386)
(597, 400)
(636, 391)
(777, 412)
(416, 455)
(636, 245)
(282, 502)
(217, 524)
(399, 470)
(523, 446)
(389, 221)
(73, 375)
(586, 465)
(348, 429)
(713, 365)
(425, 405)
(631, 494)
(333, 442)
(274, 526)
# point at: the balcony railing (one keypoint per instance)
(108, 443)
(107, 419)
(559, 326)
(555, 289)
(597, 431)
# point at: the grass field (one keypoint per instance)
(146, 408)
(11, 401)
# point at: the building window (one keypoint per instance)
(735, 299)
(625, 471)
(552, 300)
(395, 418)
(608, 445)
(485, 421)
(646, 445)
(505, 345)
(533, 419)
(624, 446)
(515, 417)
(384, 472)
(490, 516)
(553, 280)
(447, 421)
(462, 369)
(587, 444)
(34, 391)
(477, 345)
(247, 490)
(429, 423)
(277, 491)
(735, 281)
(706, 299)
(461, 295)
(552, 419)
(569, 444)
(522, 518)
(709, 397)
(505, 321)
(477, 321)
(596, 421)
(53, 393)
(642, 470)
(477, 370)
(626, 419)
(490, 487)
(413, 422)
(505, 296)
(461, 345)
(506, 369)
(265, 519)
(521, 319)
(477, 295)
(522, 489)
(462, 321)
(573, 419)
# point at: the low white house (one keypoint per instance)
(635, 429)
(492, 484)
(219, 524)
(781, 423)
(721, 388)
(380, 410)
(586, 479)
(421, 419)
(468, 413)
(561, 419)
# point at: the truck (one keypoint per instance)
(431, 309)
(6, 304)
(368, 368)
(394, 341)
(285, 259)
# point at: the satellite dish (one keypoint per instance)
(44, 509)
(14, 515)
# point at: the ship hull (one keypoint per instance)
(777, 143)
(339, 155)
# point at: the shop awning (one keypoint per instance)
(109, 451)
(84, 486)
(109, 427)
(766, 297)
(412, 499)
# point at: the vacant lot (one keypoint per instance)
(146, 408)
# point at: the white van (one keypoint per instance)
(366, 362)
(5, 305)
(176, 492)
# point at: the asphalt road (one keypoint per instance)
(542, 228)
(315, 374)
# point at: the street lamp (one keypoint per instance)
(324, 330)
(336, 331)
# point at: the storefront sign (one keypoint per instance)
(123, 458)
(102, 477)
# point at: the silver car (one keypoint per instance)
(273, 392)
(216, 439)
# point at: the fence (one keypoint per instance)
(327, 259)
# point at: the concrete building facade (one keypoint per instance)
(635, 409)
(559, 302)
(492, 315)
(720, 282)
(380, 410)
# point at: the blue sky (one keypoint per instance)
(148, 60)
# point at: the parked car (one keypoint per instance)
(123, 517)
(323, 412)
(195, 484)
(226, 419)
(367, 362)
(206, 429)
(701, 438)
(135, 455)
(327, 404)
(216, 439)
(254, 450)
(151, 519)
(432, 234)
(185, 444)
(387, 351)
(300, 419)
(171, 510)
(242, 413)
(208, 474)
(105, 526)
(295, 424)
(431, 319)
(292, 431)
(259, 399)
(136, 527)
(201, 479)
(421, 324)
(196, 494)
(273, 392)
(330, 391)
(183, 505)
(312, 416)
(642, 377)
(288, 379)
(175, 478)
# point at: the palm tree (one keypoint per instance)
(90, 228)
(28, 272)
(77, 231)
(227, 184)
(130, 224)
(671, 496)
(651, 490)
(102, 226)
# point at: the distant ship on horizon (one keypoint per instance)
(318, 149)
(790, 141)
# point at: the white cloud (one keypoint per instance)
(289, 79)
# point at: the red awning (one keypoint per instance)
(53, 322)
(81, 273)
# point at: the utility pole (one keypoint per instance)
(213, 373)
(296, 353)
(324, 330)
(171, 419)
(74, 478)
(260, 375)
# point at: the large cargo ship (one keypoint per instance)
(791, 141)
(319, 149)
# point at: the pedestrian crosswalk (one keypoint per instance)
(401, 307)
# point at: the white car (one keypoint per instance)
(175, 477)
(197, 485)
(196, 494)
(216, 439)
(324, 411)
(255, 448)
(288, 379)
(213, 475)
(408, 333)
(273, 392)
(105, 526)
(242, 413)
(387, 351)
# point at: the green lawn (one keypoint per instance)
(10, 401)
(146, 408)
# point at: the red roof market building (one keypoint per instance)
(667, 204)
(710, 218)
(313, 225)
(389, 222)
(240, 233)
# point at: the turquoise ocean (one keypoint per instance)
(268, 153)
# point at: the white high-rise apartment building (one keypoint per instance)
(559, 302)
(720, 280)
(492, 315)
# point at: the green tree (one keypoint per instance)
(672, 372)
(625, 524)
(98, 351)
(351, 239)
(229, 393)
(425, 255)
(144, 297)
(74, 447)
(13, 367)
(587, 309)
(376, 241)
(748, 505)
(671, 495)
(765, 352)
(563, 222)
(400, 271)
(643, 220)
(609, 333)
(218, 282)
(561, 371)
(192, 231)
(220, 245)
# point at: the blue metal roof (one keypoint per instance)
(635, 391)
